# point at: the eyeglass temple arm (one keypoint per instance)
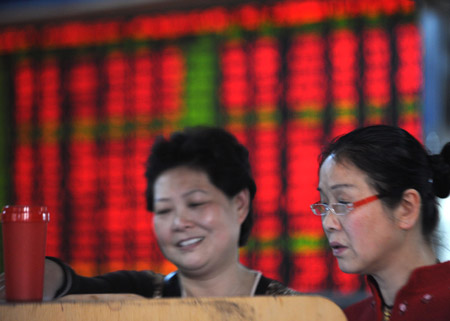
(366, 200)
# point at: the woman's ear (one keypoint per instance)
(407, 213)
(241, 201)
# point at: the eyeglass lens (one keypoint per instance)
(322, 209)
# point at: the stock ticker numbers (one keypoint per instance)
(88, 97)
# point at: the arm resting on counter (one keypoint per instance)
(62, 280)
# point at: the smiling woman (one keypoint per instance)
(378, 189)
(196, 224)
(200, 189)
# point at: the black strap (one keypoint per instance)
(262, 286)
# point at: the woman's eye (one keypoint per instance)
(196, 204)
(162, 211)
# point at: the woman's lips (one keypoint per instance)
(337, 248)
(190, 242)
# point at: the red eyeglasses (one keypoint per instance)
(321, 209)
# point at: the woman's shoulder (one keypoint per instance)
(428, 277)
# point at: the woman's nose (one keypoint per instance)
(330, 221)
(181, 220)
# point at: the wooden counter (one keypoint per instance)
(132, 308)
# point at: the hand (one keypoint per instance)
(53, 279)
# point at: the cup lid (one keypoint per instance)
(25, 213)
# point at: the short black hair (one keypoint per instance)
(212, 150)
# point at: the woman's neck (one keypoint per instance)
(391, 279)
(234, 281)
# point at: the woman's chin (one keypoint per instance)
(347, 267)
(191, 268)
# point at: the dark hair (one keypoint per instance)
(209, 149)
(394, 162)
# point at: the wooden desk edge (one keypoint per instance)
(132, 307)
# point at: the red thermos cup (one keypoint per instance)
(24, 240)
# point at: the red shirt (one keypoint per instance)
(426, 296)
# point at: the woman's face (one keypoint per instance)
(366, 239)
(196, 224)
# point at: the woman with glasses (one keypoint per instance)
(378, 189)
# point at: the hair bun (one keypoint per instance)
(440, 165)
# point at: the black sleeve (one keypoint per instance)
(136, 282)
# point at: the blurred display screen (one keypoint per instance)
(87, 97)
